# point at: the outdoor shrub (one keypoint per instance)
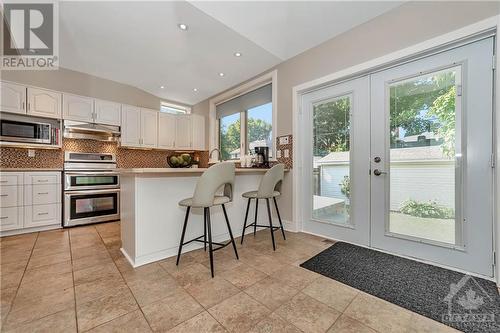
(345, 186)
(426, 209)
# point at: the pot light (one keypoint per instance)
(195, 89)
(182, 26)
(237, 54)
(221, 74)
(162, 87)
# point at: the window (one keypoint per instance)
(174, 109)
(245, 122)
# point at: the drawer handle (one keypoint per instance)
(4, 195)
(42, 180)
(4, 181)
(43, 193)
(4, 217)
(43, 213)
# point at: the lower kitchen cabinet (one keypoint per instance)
(31, 201)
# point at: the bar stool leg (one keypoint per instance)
(230, 231)
(182, 236)
(205, 230)
(210, 250)
(270, 223)
(255, 222)
(245, 223)
(279, 217)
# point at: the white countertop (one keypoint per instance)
(183, 170)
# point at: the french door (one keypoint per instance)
(400, 160)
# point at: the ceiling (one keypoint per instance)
(140, 44)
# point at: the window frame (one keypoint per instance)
(214, 124)
(183, 108)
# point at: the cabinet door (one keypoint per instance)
(13, 97)
(11, 218)
(166, 130)
(131, 126)
(149, 128)
(183, 137)
(78, 108)
(42, 215)
(198, 124)
(44, 103)
(107, 113)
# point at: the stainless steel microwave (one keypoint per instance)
(25, 131)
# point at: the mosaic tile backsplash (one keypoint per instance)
(125, 158)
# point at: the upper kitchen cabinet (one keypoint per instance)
(198, 130)
(44, 103)
(108, 113)
(78, 108)
(13, 97)
(166, 130)
(131, 126)
(184, 134)
(149, 128)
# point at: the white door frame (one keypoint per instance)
(411, 52)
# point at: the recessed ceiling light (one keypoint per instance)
(161, 87)
(195, 89)
(182, 26)
(221, 74)
(237, 54)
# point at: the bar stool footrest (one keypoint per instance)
(263, 226)
(197, 239)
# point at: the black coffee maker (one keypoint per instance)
(262, 157)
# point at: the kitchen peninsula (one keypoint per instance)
(151, 219)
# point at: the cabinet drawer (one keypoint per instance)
(42, 194)
(11, 178)
(11, 196)
(11, 218)
(41, 215)
(40, 178)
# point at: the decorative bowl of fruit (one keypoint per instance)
(180, 160)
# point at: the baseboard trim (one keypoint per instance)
(29, 230)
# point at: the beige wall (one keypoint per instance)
(405, 26)
(78, 83)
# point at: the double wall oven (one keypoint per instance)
(91, 188)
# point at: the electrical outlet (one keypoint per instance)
(278, 153)
(31, 153)
(284, 140)
(286, 153)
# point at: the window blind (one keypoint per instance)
(259, 96)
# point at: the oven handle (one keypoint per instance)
(91, 192)
(105, 173)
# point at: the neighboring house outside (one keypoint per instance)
(420, 173)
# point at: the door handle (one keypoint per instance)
(377, 172)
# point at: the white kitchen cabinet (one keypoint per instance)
(198, 130)
(44, 103)
(11, 218)
(13, 97)
(183, 135)
(166, 130)
(108, 113)
(42, 215)
(131, 126)
(11, 196)
(78, 108)
(149, 128)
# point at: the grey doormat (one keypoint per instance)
(458, 300)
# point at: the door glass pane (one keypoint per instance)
(331, 143)
(230, 138)
(260, 127)
(423, 153)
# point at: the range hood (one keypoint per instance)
(91, 131)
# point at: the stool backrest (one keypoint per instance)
(218, 175)
(271, 181)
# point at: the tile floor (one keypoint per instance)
(76, 280)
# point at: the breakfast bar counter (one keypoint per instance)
(151, 219)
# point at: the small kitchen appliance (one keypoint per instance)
(262, 157)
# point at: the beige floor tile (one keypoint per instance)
(274, 324)
(50, 249)
(28, 309)
(202, 323)
(224, 262)
(13, 267)
(346, 324)
(60, 322)
(421, 324)
(212, 291)
(95, 273)
(264, 263)
(11, 280)
(192, 275)
(133, 322)
(331, 292)
(46, 272)
(87, 292)
(104, 309)
(8, 255)
(44, 287)
(89, 251)
(153, 288)
(308, 314)
(51, 259)
(6, 298)
(295, 277)
(170, 266)
(144, 272)
(244, 276)
(379, 314)
(239, 313)
(171, 311)
(271, 292)
(90, 261)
